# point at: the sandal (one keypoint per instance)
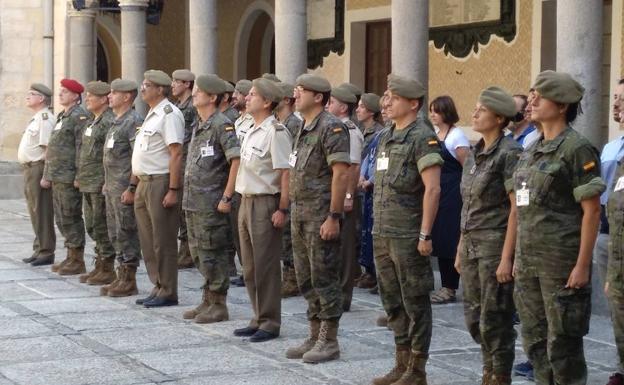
(443, 295)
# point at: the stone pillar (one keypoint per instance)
(291, 39)
(82, 51)
(579, 53)
(133, 44)
(410, 39)
(203, 36)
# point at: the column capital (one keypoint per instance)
(130, 4)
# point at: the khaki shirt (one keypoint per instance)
(36, 137)
(163, 125)
(264, 152)
(243, 124)
(356, 141)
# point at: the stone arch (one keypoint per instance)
(254, 45)
(108, 34)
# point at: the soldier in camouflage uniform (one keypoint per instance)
(181, 89)
(318, 180)
(90, 179)
(557, 186)
(488, 233)
(60, 173)
(226, 106)
(120, 187)
(209, 178)
(407, 190)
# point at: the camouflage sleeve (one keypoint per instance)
(428, 153)
(78, 124)
(336, 144)
(510, 159)
(130, 130)
(229, 142)
(586, 180)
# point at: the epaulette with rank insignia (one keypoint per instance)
(44, 116)
(82, 117)
(433, 142)
(337, 129)
(589, 166)
(278, 126)
(228, 128)
(168, 109)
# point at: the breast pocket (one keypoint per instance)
(401, 174)
(545, 182)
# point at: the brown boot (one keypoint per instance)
(326, 347)
(486, 378)
(415, 373)
(185, 261)
(55, 267)
(98, 266)
(76, 264)
(382, 321)
(498, 379)
(216, 312)
(106, 274)
(368, 281)
(289, 282)
(402, 360)
(127, 286)
(297, 352)
(204, 305)
(104, 289)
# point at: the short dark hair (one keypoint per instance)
(351, 108)
(326, 96)
(219, 99)
(445, 106)
(191, 84)
(621, 81)
(573, 111)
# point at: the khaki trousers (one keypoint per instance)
(40, 208)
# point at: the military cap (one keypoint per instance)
(72, 85)
(243, 86)
(124, 85)
(287, 90)
(42, 89)
(357, 91)
(229, 88)
(268, 89)
(343, 94)
(559, 87)
(499, 101)
(210, 84)
(271, 77)
(405, 87)
(313, 83)
(157, 77)
(371, 102)
(184, 75)
(99, 88)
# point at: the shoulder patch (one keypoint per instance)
(337, 129)
(168, 109)
(278, 126)
(432, 142)
(589, 166)
(44, 116)
(228, 128)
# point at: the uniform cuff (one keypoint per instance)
(338, 157)
(509, 185)
(594, 187)
(233, 152)
(433, 159)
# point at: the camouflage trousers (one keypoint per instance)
(405, 279)
(317, 267)
(488, 304)
(211, 247)
(554, 320)
(615, 292)
(94, 207)
(67, 202)
(616, 303)
(287, 249)
(233, 218)
(122, 229)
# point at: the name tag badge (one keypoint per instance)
(382, 162)
(207, 151)
(522, 196)
(292, 159)
(110, 143)
(88, 131)
(619, 186)
(58, 126)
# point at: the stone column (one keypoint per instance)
(410, 39)
(133, 44)
(203, 36)
(291, 39)
(82, 51)
(579, 53)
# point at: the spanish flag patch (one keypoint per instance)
(337, 129)
(228, 128)
(432, 142)
(589, 166)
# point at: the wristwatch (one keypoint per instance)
(335, 215)
(225, 199)
(424, 237)
(349, 196)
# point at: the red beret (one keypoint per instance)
(72, 85)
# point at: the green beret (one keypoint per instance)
(371, 102)
(98, 88)
(42, 89)
(355, 90)
(243, 86)
(210, 84)
(313, 83)
(559, 87)
(499, 101)
(124, 85)
(268, 89)
(157, 77)
(229, 88)
(184, 75)
(271, 77)
(287, 90)
(344, 95)
(405, 87)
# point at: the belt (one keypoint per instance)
(149, 178)
(31, 164)
(277, 195)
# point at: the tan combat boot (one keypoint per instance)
(120, 276)
(487, 376)
(55, 268)
(216, 312)
(498, 379)
(415, 373)
(382, 321)
(185, 261)
(204, 305)
(402, 360)
(76, 264)
(326, 347)
(127, 286)
(289, 282)
(106, 274)
(307, 345)
(98, 266)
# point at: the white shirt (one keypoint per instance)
(243, 124)
(36, 137)
(455, 138)
(356, 141)
(163, 125)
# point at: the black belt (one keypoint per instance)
(31, 164)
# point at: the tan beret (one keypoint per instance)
(98, 88)
(184, 75)
(287, 90)
(357, 91)
(268, 89)
(371, 102)
(229, 88)
(559, 87)
(405, 87)
(42, 89)
(313, 83)
(157, 77)
(124, 85)
(498, 101)
(210, 84)
(243, 86)
(271, 77)
(344, 95)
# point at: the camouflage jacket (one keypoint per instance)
(190, 114)
(90, 173)
(62, 156)
(293, 124)
(369, 135)
(231, 113)
(118, 151)
(318, 146)
(615, 213)
(399, 190)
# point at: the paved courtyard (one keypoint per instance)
(54, 330)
